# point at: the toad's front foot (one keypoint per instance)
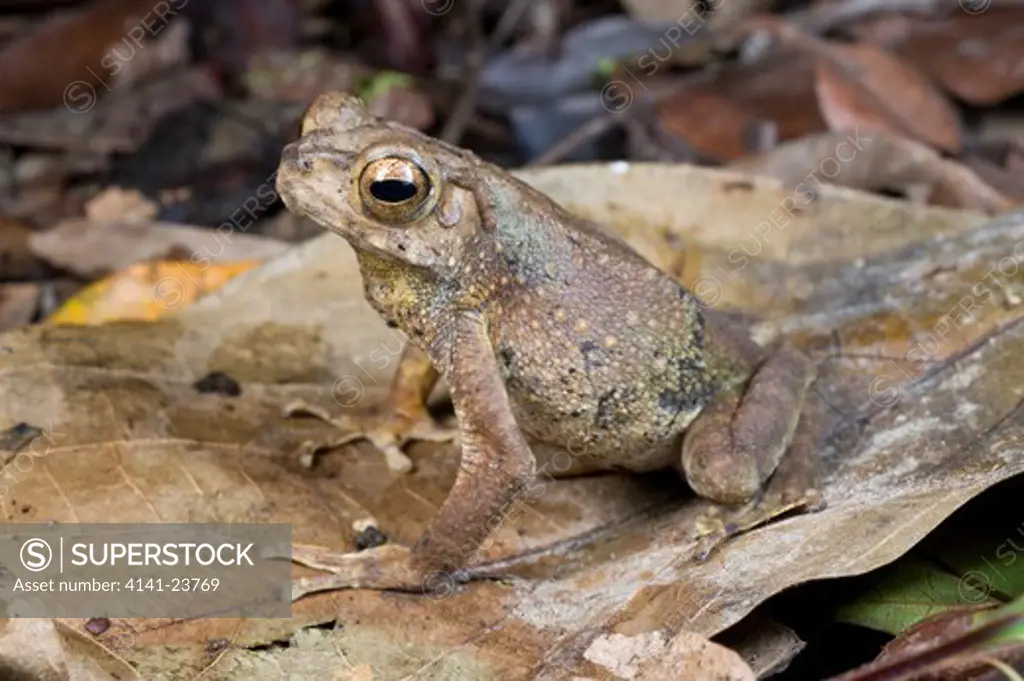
(389, 428)
(389, 567)
(754, 450)
(787, 491)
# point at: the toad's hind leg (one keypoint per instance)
(754, 450)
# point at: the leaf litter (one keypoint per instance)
(607, 557)
(912, 309)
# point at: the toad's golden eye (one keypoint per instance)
(394, 189)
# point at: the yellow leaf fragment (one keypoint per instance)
(147, 291)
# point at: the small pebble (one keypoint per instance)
(369, 538)
(218, 382)
(97, 625)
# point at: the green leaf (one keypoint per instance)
(381, 82)
(975, 558)
(907, 592)
(606, 67)
(1012, 630)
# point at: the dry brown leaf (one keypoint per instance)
(713, 118)
(713, 124)
(659, 10)
(767, 646)
(1007, 179)
(18, 260)
(49, 650)
(101, 47)
(978, 57)
(117, 204)
(945, 647)
(650, 657)
(92, 248)
(117, 122)
(863, 86)
(932, 630)
(18, 304)
(611, 552)
(875, 161)
(31, 647)
(691, 656)
(680, 217)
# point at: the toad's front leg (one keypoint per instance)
(754, 450)
(496, 466)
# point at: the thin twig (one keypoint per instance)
(457, 122)
(603, 122)
(595, 127)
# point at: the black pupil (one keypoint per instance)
(392, 191)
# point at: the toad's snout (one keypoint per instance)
(289, 171)
(303, 164)
(290, 153)
(311, 179)
(306, 156)
(293, 160)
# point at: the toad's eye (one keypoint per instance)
(394, 189)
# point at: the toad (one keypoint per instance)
(554, 337)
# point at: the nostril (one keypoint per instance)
(293, 156)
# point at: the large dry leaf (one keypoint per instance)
(856, 280)
(878, 161)
(102, 47)
(93, 247)
(715, 125)
(976, 56)
(716, 117)
(864, 86)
